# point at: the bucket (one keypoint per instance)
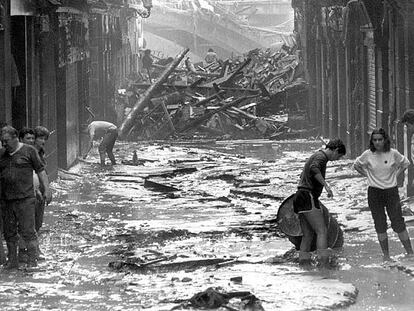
(288, 222)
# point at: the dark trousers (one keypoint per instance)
(19, 217)
(380, 200)
(39, 213)
(107, 145)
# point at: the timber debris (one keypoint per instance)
(261, 94)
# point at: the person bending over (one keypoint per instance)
(106, 131)
(306, 202)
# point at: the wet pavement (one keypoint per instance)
(115, 242)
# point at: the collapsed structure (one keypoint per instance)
(258, 95)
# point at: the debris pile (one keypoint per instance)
(213, 298)
(261, 94)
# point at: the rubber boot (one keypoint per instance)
(385, 249)
(111, 157)
(304, 258)
(324, 258)
(3, 258)
(32, 253)
(405, 241)
(407, 246)
(22, 253)
(39, 254)
(102, 158)
(12, 262)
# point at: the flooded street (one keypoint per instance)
(207, 111)
(195, 216)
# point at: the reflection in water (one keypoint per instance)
(380, 288)
(265, 150)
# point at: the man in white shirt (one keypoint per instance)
(106, 131)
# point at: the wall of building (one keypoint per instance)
(359, 61)
(5, 64)
(57, 62)
(72, 82)
(32, 32)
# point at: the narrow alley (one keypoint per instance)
(150, 151)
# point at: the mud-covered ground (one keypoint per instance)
(189, 217)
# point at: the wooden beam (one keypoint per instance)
(149, 93)
(327, 3)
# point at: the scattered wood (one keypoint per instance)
(157, 266)
(157, 186)
(234, 98)
(149, 93)
(126, 180)
(256, 194)
(64, 174)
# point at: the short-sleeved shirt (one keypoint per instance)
(381, 167)
(36, 182)
(315, 165)
(16, 172)
(98, 129)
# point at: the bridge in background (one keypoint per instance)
(214, 25)
(260, 13)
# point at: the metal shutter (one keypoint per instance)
(372, 107)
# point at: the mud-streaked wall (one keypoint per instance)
(359, 62)
(5, 64)
(72, 82)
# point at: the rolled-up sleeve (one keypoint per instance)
(401, 160)
(361, 161)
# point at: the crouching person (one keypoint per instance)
(17, 163)
(107, 133)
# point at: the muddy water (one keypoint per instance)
(380, 287)
(94, 221)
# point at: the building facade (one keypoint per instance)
(59, 66)
(358, 58)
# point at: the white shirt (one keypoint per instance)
(381, 167)
(97, 129)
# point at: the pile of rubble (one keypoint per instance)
(261, 94)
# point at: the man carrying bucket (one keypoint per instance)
(306, 202)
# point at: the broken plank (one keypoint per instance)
(159, 186)
(243, 113)
(210, 98)
(129, 121)
(208, 115)
(181, 170)
(126, 180)
(256, 194)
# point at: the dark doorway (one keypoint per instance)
(18, 49)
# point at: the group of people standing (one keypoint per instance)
(381, 165)
(24, 192)
(24, 186)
